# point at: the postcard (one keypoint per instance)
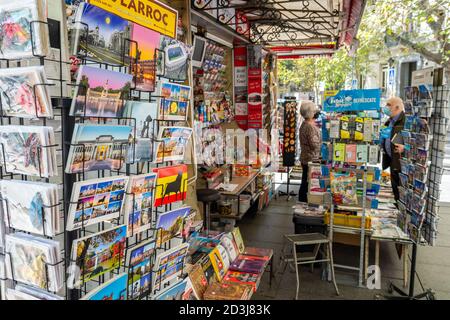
(114, 289)
(174, 101)
(171, 184)
(220, 261)
(143, 57)
(172, 142)
(141, 262)
(170, 224)
(25, 261)
(139, 202)
(142, 115)
(98, 147)
(96, 200)
(100, 92)
(107, 34)
(169, 264)
(20, 37)
(34, 211)
(181, 290)
(22, 94)
(97, 254)
(24, 150)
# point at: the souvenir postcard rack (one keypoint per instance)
(64, 125)
(427, 118)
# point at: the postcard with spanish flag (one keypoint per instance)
(171, 184)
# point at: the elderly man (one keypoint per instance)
(392, 152)
(310, 143)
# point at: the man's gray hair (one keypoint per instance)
(308, 109)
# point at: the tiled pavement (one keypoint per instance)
(266, 229)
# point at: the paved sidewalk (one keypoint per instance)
(267, 228)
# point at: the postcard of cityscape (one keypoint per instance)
(100, 92)
(106, 33)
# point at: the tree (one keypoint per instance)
(421, 26)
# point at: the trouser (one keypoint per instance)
(303, 192)
(395, 182)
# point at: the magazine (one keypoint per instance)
(96, 200)
(23, 94)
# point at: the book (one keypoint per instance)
(359, 128)
(368, 130)
(259, 252)
(374, 154)
(350, 153)
(227, 241)
(251, 279)
(334, 128)
(361, 153)
(339, 152)
(238, 239)
(220, 261)
(345, 130)
(251, 264)
(205, 262)
(227, 291)
(198, 280)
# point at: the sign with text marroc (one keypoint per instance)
(147, 13)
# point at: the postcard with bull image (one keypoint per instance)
(171, 184)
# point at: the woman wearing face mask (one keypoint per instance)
(392, 152)
(310, 143)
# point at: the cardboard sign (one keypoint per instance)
(148, 13)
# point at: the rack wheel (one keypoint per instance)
(390, 289)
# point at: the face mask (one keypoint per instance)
(387, 111)
(316, 115)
